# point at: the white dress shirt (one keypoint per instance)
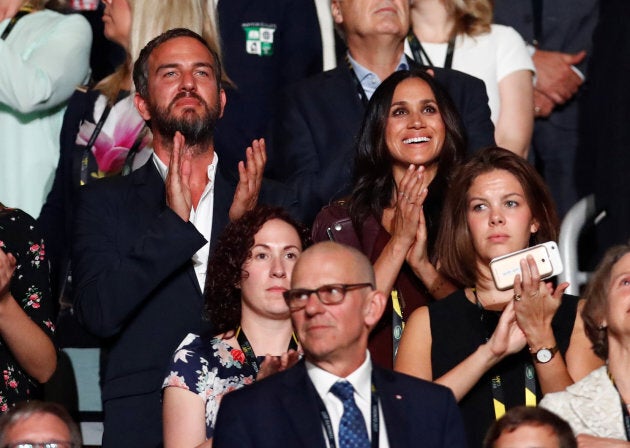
(361, 380)
(200, 217)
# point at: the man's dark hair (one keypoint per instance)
(141, 66)
(531, 416)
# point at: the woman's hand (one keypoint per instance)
(7, 267)
(535, 304)
(408, 207)
(275, 364)
(507, 338)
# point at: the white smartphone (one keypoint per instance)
(506, 267)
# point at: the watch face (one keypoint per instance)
(544, 355)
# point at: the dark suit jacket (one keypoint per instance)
(135, 283)
(282, 411)
(297, 54)
(567, 26)
(318, 119)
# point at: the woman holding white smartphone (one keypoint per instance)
(496, 349)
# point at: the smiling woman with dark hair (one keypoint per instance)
(410, 141)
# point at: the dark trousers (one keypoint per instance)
(134, 421)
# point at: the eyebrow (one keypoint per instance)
(505, 196)
(404, 102)
(178, 65)
(266, 246)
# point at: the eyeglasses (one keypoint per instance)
(51, 444)
(328, 294)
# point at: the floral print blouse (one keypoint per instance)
(30, 287)
(210, 368)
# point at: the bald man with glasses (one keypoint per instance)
(335, 397)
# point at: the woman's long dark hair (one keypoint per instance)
(222, 293)
(374, 183)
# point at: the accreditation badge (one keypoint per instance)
(259, 38)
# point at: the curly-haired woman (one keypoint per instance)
(247, 274)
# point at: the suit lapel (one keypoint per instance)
(149, 186)
(392, 401)
(150, 189)
(300, 403)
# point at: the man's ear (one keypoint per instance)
(142, 106)
(223, 100)
(335, 9)
(374, 307)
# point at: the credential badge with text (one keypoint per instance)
(259, 38)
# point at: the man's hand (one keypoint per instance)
(250, 176)
(8, 8)
(178, 195)
(554, 75)
(543, 106)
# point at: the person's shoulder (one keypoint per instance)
(454, 300)
(410, 385)
(320, 83)
(454, 78)
(260, 393)
(57, 19)
(116, 187)
(503, 31)
(9, 214)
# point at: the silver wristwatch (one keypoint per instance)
(544, 355)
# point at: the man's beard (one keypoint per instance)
(198, 130)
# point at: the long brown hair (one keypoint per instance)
(454, 246)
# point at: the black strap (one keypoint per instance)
(421, 56)
(496, 382)
(248, 351)
(357, 82)
(374, 420)
(537, 12)
(21, 13)
(86, 151)
(624, 407)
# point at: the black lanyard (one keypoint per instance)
(85, 158)
(357, 82)
(537, 11)
(21, 13)
(248, 351)
(421, 56)
(496, 382)
(624, 407)
(374, 419)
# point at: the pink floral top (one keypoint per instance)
(30, 287)
(210, 368)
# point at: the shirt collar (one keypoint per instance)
(361, 378)
(364, 73)
(163, 168)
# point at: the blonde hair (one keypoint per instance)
(149, 19)
(472, 17)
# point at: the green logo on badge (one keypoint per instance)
(259, 38)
